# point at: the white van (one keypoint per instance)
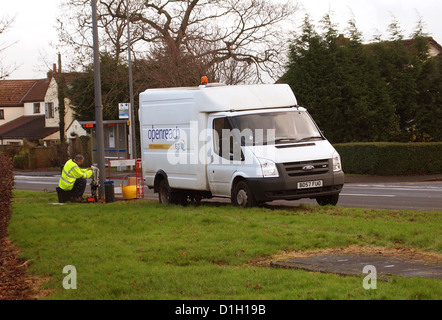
(250, 143)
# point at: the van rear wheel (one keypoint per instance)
(242, 195)
(328, 200)
(164, 192)
(168, 196)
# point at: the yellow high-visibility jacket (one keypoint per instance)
(71, 172)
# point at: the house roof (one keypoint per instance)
(409, 43)
(431, 41)
(435, 44)
(38, 91)
(14, 93)
(29, 127)
(68, 76)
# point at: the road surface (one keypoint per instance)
(399, 195)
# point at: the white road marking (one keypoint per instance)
(367, 195)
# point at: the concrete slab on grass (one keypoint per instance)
(354, 265)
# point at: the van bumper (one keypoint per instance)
(281, 188)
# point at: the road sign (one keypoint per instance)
(123, 110)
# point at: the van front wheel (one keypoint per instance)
(242, 195)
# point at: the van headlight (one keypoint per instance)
(336, 162)
(268, 167)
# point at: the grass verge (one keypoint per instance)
(143, 250)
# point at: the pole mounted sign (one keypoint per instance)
(123, 110)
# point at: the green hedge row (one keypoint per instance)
(6, 186)
(383, 158)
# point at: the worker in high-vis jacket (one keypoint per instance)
(73, 178)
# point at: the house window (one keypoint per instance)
(2, 114)
(36, 107)
(49, 106)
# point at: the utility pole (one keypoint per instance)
(98, 103)
(131, 91)
(61, 83)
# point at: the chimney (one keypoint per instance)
(54, 68)
(59, 62)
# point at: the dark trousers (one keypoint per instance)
(79, 187)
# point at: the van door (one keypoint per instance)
(221, 166)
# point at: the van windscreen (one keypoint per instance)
(276, 127)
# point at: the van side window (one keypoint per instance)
(219, 125)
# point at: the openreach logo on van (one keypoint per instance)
(165, 138)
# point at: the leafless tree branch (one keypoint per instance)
(208, 32)
(6, 24)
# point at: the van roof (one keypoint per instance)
(226, 98)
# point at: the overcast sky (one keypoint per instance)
(34, 26)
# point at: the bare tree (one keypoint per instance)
(5, 25)
(187, 37)
(75, 25)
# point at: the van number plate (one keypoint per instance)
(310, 184)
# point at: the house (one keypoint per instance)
(32, 128)
(71, 126)
(29, 110)
(434, 48)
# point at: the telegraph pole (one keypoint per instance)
(98, 103)
(133, 139)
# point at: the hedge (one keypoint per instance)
(6, 185)
(383, 158)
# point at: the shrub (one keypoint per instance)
(391, 158)
(21, 160)
(6, 185)
(58, 154)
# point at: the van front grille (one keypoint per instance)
(306, 168)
